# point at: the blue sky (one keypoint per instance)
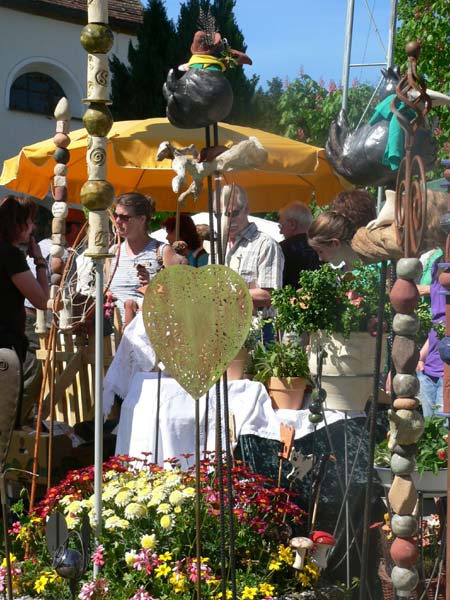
(286, 35)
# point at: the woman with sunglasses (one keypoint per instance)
(141, 256)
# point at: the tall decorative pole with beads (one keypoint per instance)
(97, 196)
(406, 422)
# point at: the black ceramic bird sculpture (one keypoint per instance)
(371, 154)
(202, 95)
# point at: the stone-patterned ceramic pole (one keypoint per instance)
(406, 422)
(97, 196)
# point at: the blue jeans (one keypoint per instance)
(430, 394)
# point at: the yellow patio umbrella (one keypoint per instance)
(293, 170)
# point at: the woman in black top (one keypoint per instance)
(16, 280)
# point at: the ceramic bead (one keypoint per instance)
(406, 385)
(404, 552)
(404, 525)
(405, 324)
(402, 495)
(404, 296)
(409, 268)
(405, 354)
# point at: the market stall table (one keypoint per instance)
(249, 404)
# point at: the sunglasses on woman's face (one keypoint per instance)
(124, 218)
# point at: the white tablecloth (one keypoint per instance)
(134, 354)
(248, 402)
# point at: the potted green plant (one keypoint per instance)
(242, 364)
(339, 313)
(283, 367)
(430, 475)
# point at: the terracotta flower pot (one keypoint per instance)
(287, 392)
(237, 366)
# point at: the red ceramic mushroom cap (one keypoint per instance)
(322, 537)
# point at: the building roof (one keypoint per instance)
(124, 15)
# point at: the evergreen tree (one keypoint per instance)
(266, 109)
(137, 88)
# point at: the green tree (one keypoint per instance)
(137, 88)
(307, 108)
(428, 21)
(265, 110)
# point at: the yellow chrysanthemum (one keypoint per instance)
(172, 479)
(176, 498)
(135, 511)
(72, 522)
(189, 492)
(130, 558)
(148, 542)
(162, 570)
(166, 522)
(116, 522)
(123, 497)
(249, 593)
(164, 508)
(110, 492)
(74, 507)
(157, 496)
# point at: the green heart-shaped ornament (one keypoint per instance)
(197, 320)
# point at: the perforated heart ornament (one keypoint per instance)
(197, 320)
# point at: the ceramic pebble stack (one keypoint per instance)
(97, 194)
(59, 208)
(406, 426)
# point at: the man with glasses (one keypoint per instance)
(253, 254)
(294, 220)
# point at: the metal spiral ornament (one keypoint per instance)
(411, 191)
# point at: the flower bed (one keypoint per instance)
(148, 546)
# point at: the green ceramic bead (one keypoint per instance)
(98, 119)
(96, 38)
(97, 195)
(318, 395)
(316, 408)
(315, 418)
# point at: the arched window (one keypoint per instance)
(36, 93)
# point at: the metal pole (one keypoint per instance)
(392, 32)
(98, 399)
(347, 51)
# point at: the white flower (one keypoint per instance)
(116, 522)
(74, 507)
(176, 498)
(135, 511)
(164, 508)
(123, 497)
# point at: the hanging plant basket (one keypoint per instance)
(347, 369)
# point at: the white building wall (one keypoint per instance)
(33, 43)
